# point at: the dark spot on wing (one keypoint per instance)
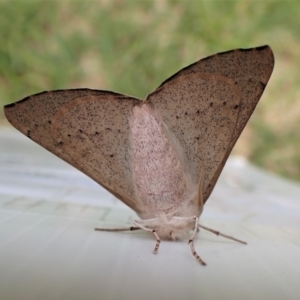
(263, 85)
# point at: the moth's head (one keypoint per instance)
(176, 222)
(170, 227)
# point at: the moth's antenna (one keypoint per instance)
(222, 234)
(132, 228)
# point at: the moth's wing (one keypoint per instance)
(89, 129)
(207, 104)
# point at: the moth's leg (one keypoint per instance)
(132, 228)
(222, 234)
(191, 242)
(150, 230)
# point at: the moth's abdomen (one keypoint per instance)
(158, 174)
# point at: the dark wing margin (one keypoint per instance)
(89, 129)
(207, 105)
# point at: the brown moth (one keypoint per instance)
(162, 156)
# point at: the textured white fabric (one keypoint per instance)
(49, 249)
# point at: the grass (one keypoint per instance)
(132, 46)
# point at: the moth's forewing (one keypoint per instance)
(87, 128)
(207, 105)
(198, 109)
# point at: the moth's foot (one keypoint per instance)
(195, 254)
(157, 242)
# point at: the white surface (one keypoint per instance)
(49, 249)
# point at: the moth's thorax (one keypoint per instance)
(158, 174)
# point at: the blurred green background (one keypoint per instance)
(132, 46)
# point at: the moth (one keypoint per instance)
(161, 156)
